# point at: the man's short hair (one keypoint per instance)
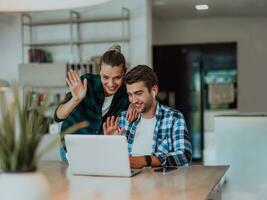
(142, 73)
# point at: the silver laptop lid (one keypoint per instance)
(98, 155)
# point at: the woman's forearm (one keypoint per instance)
(65, 109)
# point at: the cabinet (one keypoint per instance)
(76, 38)
(209, 151)
(240, 141)
(44, 75)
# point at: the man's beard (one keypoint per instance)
(146, 107)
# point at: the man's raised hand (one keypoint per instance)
(111, 126)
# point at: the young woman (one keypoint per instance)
(93, 98)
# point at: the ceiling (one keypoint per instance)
(177, 9)
(41, 5)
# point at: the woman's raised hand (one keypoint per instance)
(77, 87)
(131, 114)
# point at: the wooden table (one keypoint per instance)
(186, 183)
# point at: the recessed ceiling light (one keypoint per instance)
(202, 7)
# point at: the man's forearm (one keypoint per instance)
(140, 161)
(65, 109)
(155, 162)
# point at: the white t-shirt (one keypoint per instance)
(106, 104)
(143, 138)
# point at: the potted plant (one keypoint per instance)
(21, 129)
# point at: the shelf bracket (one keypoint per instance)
(74, 19)
(25, 18)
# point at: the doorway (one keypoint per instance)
(194, 78)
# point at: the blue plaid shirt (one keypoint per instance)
(171, 141)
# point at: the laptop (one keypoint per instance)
(99, 155)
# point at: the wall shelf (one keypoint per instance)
(85, 20)
(78, 43)
(75, 22)
(47, 44)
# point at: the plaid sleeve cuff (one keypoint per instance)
(67, 98)
(56, 118)
(173, 160)
(162, 158)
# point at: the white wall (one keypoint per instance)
(138, 52)
(249, 33)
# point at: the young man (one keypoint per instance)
(159, 137)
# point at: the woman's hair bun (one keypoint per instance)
(115, 47)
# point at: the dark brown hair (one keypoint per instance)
(142, 73)
(113, 57)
